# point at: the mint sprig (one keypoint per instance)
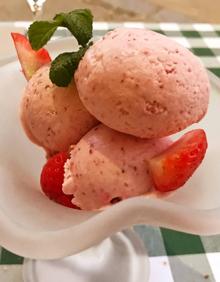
(64, 65)
(79, 23)
(40, 32)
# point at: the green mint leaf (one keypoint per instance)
(79, 23)
(40, 32)
(64, 65)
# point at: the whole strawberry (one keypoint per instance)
(52, 177)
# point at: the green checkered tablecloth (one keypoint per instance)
(174, 256)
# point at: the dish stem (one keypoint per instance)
(121, 257)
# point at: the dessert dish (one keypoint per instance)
(140, 86)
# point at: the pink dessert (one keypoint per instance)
(143, 87)
(53, 117)
(142, 83)
(106, 166)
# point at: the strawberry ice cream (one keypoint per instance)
(107, 166)
(53, 117)
(142, 83)
(142, 86)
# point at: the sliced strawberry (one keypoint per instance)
(173, 167)
(52, 177)
(30, 59)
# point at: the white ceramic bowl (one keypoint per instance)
(33, 226)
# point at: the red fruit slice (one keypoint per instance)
(173, 167)
(51, 180)
(30, 59)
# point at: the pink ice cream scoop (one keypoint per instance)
(142, 83)
(53, 117)
(107, 166)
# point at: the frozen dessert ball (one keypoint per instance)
(107, 166)
(53, 117)
(142, 83)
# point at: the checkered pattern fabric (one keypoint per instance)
(174, 256)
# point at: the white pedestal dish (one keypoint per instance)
(34, 227)
(122, 257)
